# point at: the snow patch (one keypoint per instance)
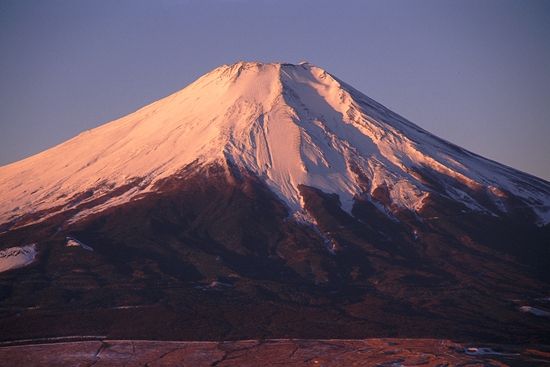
(535, 311)
(17, 257)
(215, 285)
(481, 351)
(73, 242)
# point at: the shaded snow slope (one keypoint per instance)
(73, 242)
(288, 124)
(17, 257)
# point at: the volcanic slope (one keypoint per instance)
(289, 125)
(279, 193)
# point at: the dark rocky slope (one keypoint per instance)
(214, 255)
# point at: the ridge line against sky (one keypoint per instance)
(476, 73)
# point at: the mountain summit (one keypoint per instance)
(289, 125)
(271, 201)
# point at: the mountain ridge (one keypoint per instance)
(289, 124)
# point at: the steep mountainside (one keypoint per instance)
(290, 125)
(272, 200)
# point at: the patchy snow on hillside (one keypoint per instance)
(484, 351)
(17, 257)
(535, 311)
(73, 242)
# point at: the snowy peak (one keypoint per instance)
(290, 125)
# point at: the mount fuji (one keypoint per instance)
(272, 200)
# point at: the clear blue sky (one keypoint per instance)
(474, 72)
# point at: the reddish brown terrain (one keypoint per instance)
(292, 353)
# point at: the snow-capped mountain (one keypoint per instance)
(290, 125)
(271, 201)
